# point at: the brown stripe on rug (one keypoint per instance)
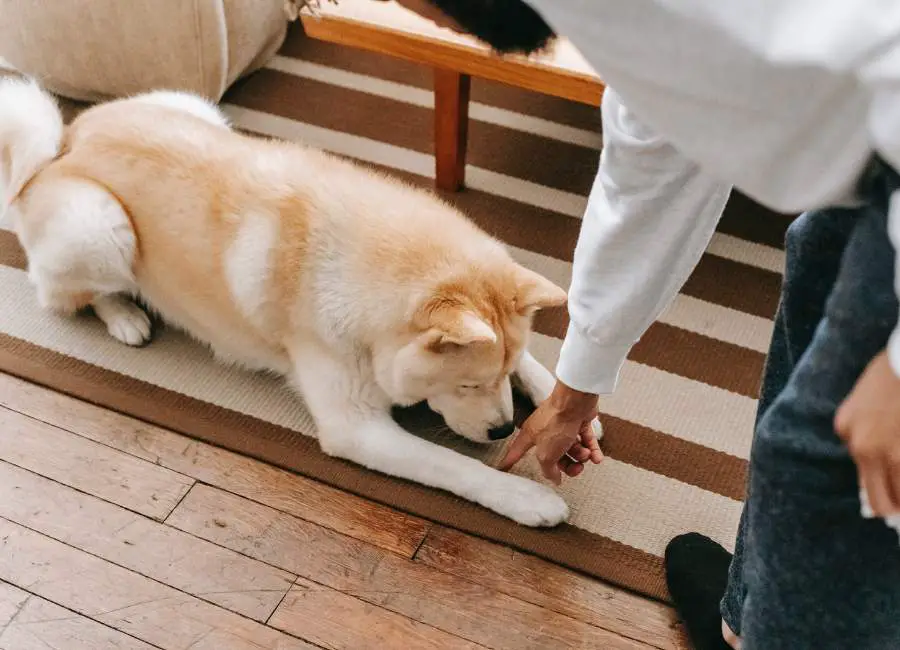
(708, 469)
(11, 253)
(746, 219)
(715, 279)
(404, 125)
(732, 284)
(724, 282)
(681, 352)
(743, 218)
(546, 107)
(566, 545)
(700, 358)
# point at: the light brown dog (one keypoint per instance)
(362, 291)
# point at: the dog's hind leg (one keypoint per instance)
(83, 254)
(125, 321)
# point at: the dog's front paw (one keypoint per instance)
(528, 502)
(125, 321)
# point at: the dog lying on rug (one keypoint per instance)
(362, 291)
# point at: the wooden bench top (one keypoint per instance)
(388, 28)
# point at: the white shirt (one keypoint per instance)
(784, 99)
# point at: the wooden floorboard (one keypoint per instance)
(337, 620)
(346, 513)
(124, 600)
(152, 549)
(28, 622)
(450, 603)
(119, 534)
(551, 586)
(90, 467)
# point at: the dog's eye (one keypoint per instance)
(470, 386)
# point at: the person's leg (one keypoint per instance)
(816, 573)
(814, 246)
(697, 568)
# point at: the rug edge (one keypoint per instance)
(568, 546)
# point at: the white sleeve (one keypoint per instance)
(859, 38)
(649, 218)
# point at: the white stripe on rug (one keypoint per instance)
(747, 252)
(641, 508)
(684, 408)
(414, 162)
(685, 312)
(380, 153)
(718, 322)
(646, 510)
(425, 99)
(654, 398)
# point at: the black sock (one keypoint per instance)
(696, 573)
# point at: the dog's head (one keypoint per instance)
(461, 345)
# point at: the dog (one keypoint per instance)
(362, 291)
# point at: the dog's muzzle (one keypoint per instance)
(501, 432)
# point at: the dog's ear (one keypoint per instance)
(457, 327)
(535, 292)
(447, 323)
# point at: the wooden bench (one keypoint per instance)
(388, 28)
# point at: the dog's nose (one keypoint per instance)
(501, 432)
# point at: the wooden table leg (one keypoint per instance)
(451, 121)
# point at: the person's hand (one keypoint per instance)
(562, 434)
(869, 423)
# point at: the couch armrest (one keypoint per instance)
(96, 49)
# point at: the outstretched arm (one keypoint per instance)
(650, 216)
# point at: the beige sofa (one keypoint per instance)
(96, 49)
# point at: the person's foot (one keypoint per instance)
(696, 574)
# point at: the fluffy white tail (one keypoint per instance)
(31, 130)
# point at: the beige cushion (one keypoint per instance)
(96, 49)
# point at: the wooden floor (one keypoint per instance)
(117, 534)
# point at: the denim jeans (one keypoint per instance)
(809, 572)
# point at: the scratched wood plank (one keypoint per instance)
(88, 466)
(419, 592)
(198, 567)
(337, 621)
(552, 587)
(29, 622)
(11, 601)
(284, 490)
(346, 513)
(126, 601)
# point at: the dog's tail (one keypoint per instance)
(31, 131)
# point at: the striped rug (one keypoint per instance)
(678, 429)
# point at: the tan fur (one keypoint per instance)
(184, 204)
(365, 292)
